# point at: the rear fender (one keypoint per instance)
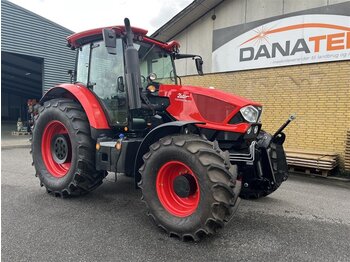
(92, 107)
(176, 127)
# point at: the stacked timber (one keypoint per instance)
(311, 162)
(347, 152)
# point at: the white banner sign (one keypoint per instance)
(294, 40)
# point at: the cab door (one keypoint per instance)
(103, 73)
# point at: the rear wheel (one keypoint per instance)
(189, 186)
(63, 150)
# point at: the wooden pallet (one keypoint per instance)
(308, 171)
(311, 162)
(20, 133)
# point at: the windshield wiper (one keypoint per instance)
(148, 51)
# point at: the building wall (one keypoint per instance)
(198, 37)
(23, 32)
(319, 94)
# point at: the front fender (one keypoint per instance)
(163, 130)
(92, 107)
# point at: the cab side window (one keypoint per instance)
(83, 64)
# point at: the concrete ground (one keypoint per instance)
(307, 219)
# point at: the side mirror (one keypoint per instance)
(199, 65)
(109, 37)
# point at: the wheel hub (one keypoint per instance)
(184, 185)
(56, 149)
(178, 188)
(59, 149)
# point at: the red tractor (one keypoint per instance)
(188, 148)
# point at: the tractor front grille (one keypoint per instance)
(212, 109)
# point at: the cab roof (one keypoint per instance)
(78, 39)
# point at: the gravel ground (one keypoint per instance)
(307, 219)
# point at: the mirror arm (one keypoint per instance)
(182, 56)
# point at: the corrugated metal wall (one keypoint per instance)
(26, 33)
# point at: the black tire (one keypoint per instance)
(81, 177)
(264, 187)
(217, 185)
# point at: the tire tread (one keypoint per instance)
(86, 178)
(222, 187)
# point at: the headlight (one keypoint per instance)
(151, 88)
(250, 113)
(152, 76)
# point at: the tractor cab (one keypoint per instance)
(101, 68)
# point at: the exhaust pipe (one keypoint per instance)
(132, 68)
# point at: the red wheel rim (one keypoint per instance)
(174, 204)
(53, 129)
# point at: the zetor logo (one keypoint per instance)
(288, 47)
(182, 97)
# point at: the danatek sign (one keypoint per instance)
(299, 39)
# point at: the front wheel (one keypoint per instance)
(62, 149)
(189, 186)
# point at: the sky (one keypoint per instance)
(80, 15)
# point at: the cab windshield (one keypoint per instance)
(104, 73)
(155, 60)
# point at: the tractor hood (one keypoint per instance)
(211, 106)
(211, 92)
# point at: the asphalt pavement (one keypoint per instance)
(307, 219)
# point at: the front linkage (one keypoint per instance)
(268, 168)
